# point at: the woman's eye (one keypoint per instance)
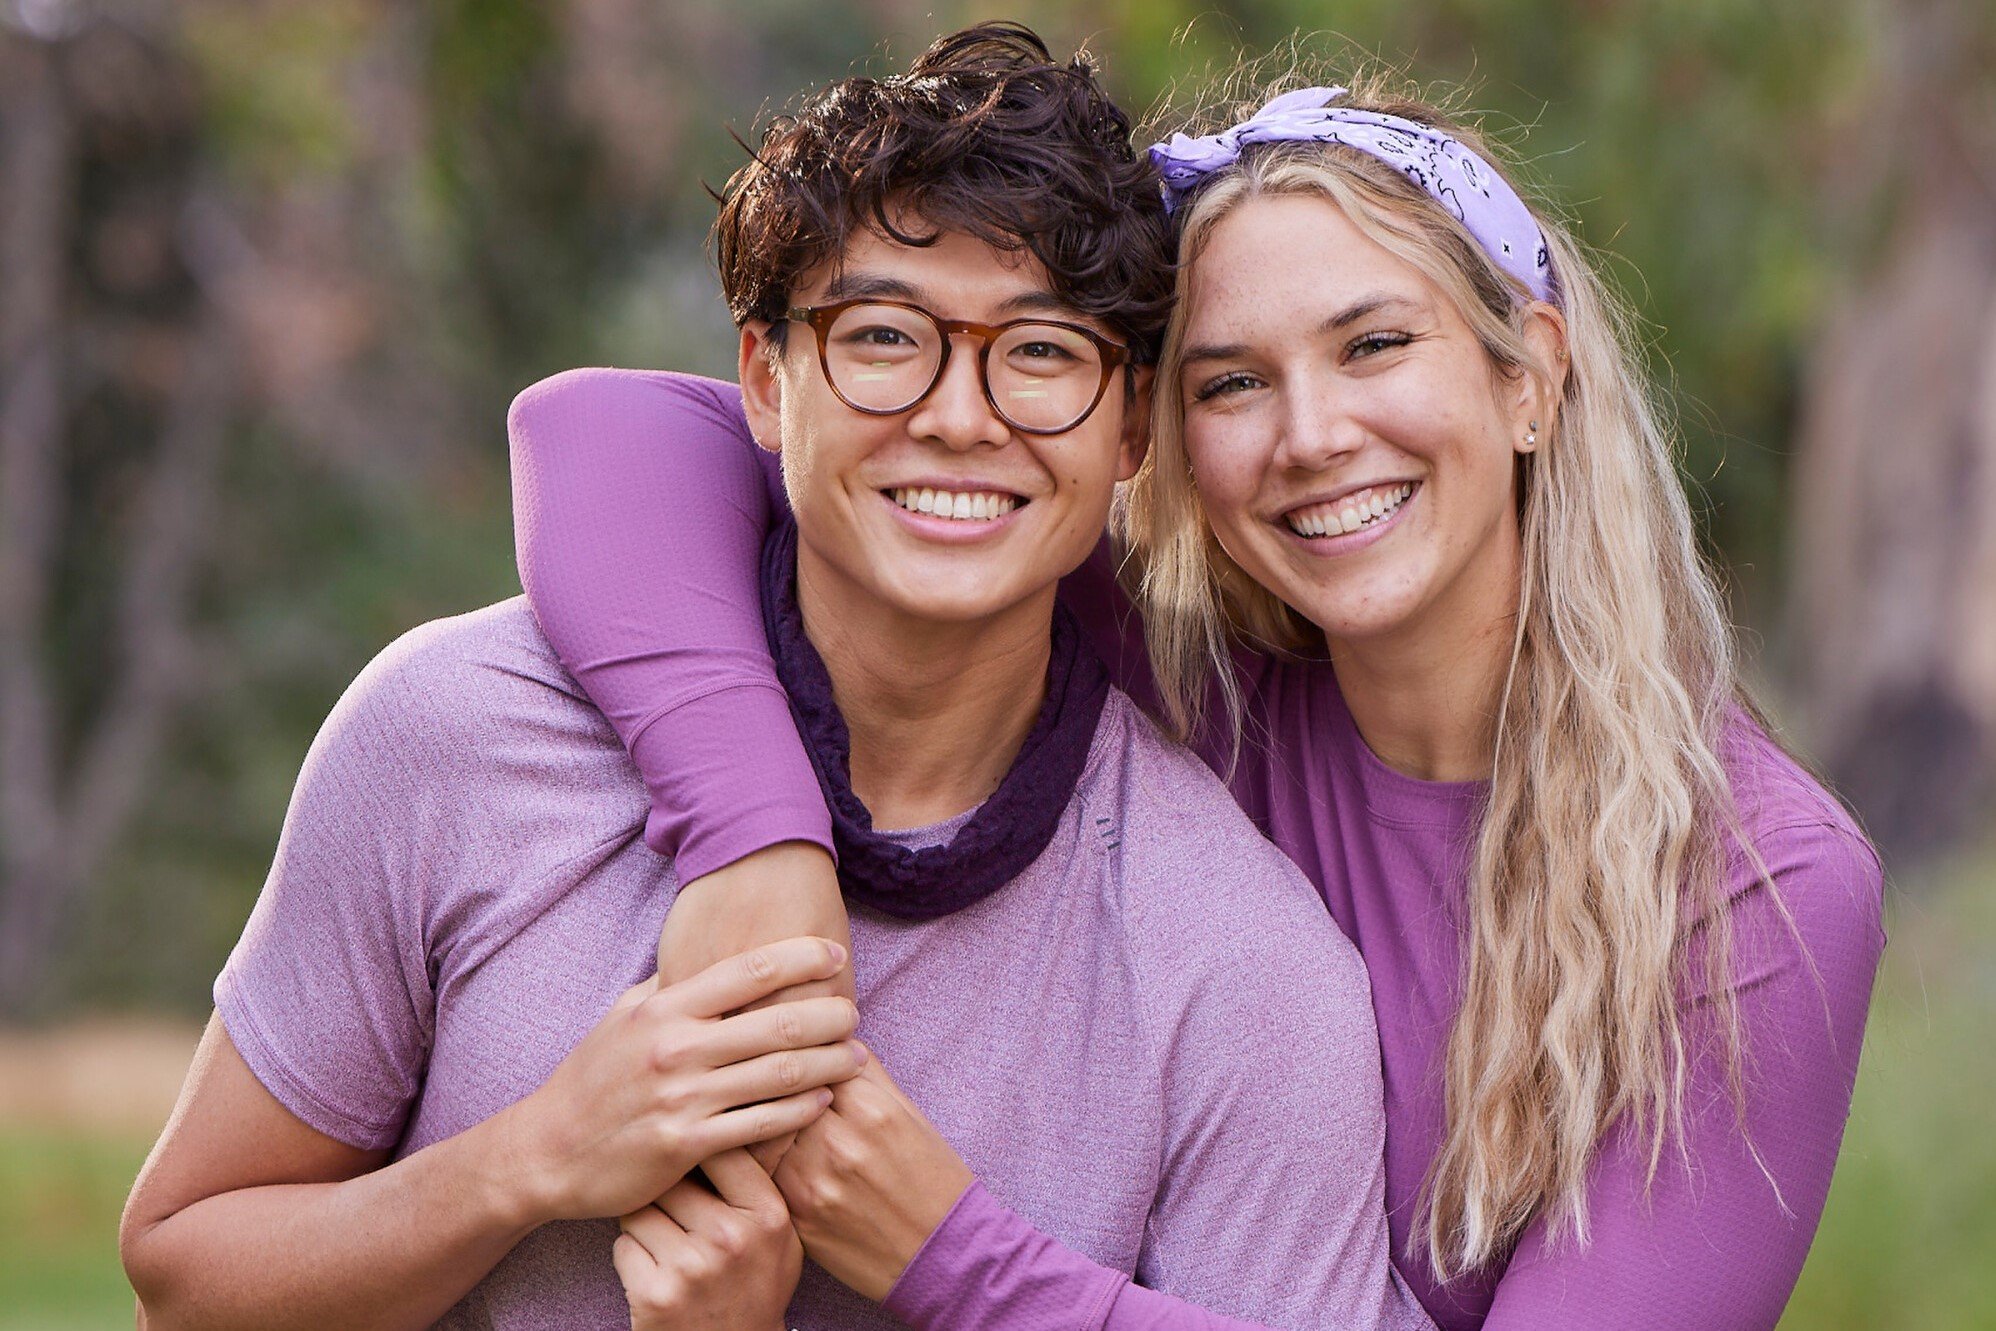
(1371, 343)
(1225, 384)
(1043, 351)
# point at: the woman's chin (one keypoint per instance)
(1355, 614)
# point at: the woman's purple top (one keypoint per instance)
(641, 503)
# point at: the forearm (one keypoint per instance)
(988, 1267)
(393, 1248)
(789, 890)
(640, 507)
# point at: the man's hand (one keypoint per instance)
(697, 1261)
(787, 890)
(668, 1079)
(869, 1181)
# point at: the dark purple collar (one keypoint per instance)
(1008, 831)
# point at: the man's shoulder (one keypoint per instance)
(1179, 840)
(455, 670)
(476, 693)
(1214, 919)
(466, 733)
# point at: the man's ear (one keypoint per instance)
(1135, 443)
(762, 384)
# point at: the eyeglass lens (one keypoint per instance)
(884, 358)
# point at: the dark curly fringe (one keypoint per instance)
(985, 134)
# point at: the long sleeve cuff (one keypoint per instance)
(986, 1268)
(736, 752)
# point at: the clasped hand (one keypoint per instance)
(860, 1191)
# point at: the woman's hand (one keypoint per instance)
(668, 1079)
(869, 1182)
(696, 1260)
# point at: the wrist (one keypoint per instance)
(788, 890)
(516, 1180)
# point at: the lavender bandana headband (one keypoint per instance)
(1453, 176)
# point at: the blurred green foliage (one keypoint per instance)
(504, 188)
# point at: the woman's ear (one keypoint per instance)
(1135, 442)
(1542, 387)
(760, 370)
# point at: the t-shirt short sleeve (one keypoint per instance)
(327, 994)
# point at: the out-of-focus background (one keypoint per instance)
(270, 273)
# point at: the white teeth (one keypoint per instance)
(964, 506)
(1356, 511)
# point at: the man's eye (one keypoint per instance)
(1042, 351)
(880, 336)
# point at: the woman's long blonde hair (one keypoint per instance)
(1609, 815)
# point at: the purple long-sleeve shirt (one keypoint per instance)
(641, 502)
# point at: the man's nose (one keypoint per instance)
(956, 412)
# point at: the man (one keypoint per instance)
(947, 359)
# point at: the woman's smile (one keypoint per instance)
(1350, 521)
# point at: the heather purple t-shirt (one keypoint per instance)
(1152, 1046)
(641, 502)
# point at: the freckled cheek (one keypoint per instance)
(1226, 479)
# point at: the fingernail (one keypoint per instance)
(838, 955)
(824, 1098)
(858, 1051)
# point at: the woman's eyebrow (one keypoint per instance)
(1214, 351)
(1362, 308)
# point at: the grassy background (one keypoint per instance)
(1904, 1244)
(60, 1194)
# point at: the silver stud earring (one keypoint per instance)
(1532, 435)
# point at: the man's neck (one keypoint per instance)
(936, 713)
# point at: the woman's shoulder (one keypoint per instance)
(1781, 804)
(1828, 881)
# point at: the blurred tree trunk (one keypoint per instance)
(35, 188)
(69, 789)
(1895, 485)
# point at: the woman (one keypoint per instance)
(1417, 574)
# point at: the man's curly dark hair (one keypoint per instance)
(986, 135)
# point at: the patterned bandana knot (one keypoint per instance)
(1450, 173)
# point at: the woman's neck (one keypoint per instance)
(1425, 698)
(936, 712)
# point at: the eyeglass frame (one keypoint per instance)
(820, 318)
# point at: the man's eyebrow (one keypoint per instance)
(878, 286)
(874, 286)
(1361, 308)
(1037, 302)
